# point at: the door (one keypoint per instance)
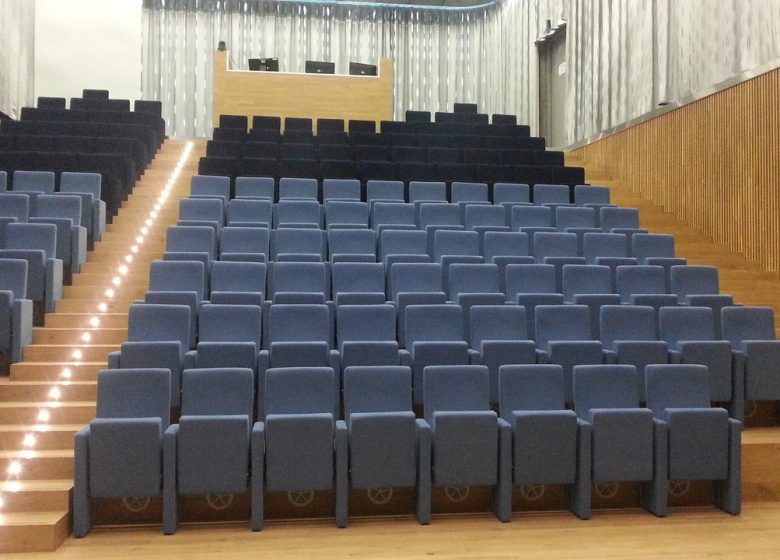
(552, 88)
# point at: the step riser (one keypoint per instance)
(73, 336)
(91, 306)
(118, 257)
(104, 279)
(60, 439)
(58, 500)
(41, 537)
(59, 354)
(22, 392)
(43, 468)
(82, 320)
(87, 293)
(60, 415)
(51, 372)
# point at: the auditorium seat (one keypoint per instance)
(33, 181)
(191, 243)
(208, 450)
(303, 244)
(607, 249)
(202, 212)
(16, 310)
(340, 189)
(250, 212)
(306, 447)
(179, 283)
(366, 336)
(397, 246)
(255, 187)
(88, 186)
(245, 244)
(504, 248)
(64, 211)
(551, 194)
(229, 336)
(300, 335)
(388, 446)
(298, 213)
(497, 337)
(392, 215)
(211, 186)
(548, 443)
(352, 245)
(304, 188)
(349, 214)
(299, 282)
(233, 121)
(587, 195)
(693, 441)
(266, 122)
(621, 432)
(690, 334)
(119, 453)
(557, 249)
(331, 125)
(357, 283)
(591, 285)
(466, 444)
(238, 283)
(511, 194)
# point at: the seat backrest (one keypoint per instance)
(549, 244)
(504, 243)
(186, 239)
(605, 386)
(603, 245)
(455, 388)
(13, 277)
(439, 214)
(496, 322)
(626, 322)
(248, 240)
(747, 323)
(562, 323)
(300, 277)
(41, 237)
(393, 213)
(612, 218)
(590, 194)
(365, 323)
(454, 242)
(298, 241)
(574, 217)
(37, 181)
(255, 186)
(645, 245)
(676, 386)
(415, 277)
(474, 279)
(15, 206)
(352, 242)
(202, 209)
(81, 183)
(427, 190)
(299, 212)
(377, 389)
(551, 194)
(511, 192)
(230, 323)
(682, 323)
(358, 277)
(149, 322)
(298, 323)
(300, 390)
(351, 212)
(384, 190)
(211, 185)
(217, 391)
(530, 387)
(484, 215)
(433, 323)
(461, 192)
(402, 242)
(134, 393)
(689, 280)
(586, 279)
(346, 189)
(640, 279)
(529, 279)
(177, 276)
(249, 210)
(231, 276)
(295, 187)
(532, 216)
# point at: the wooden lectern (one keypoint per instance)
(294, 94)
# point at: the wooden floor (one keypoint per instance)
(637, 535)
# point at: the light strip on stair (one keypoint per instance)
(15, 467)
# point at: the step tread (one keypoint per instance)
(37, 454)
(31, 518)
(52, 485)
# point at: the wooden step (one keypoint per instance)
(91, 306)
(100, 335)
(83, 320)
(118, 257)
(104, 279)
(33, 531)
(39, 390)
(760, 460)
(86, 293)
(97, 267)
(36, 495)
(73, 412)
(39, 465)
(67, 353)
(40, 371)
(52, 436)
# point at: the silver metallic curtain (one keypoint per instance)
(624, 56)
(17, 51)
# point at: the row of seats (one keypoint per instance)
(101, 104)
(297, 443)
(269, 149)
(16, 310)
(31, 197)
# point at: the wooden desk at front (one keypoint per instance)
(292, 94)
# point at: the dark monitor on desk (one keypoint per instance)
(264, 64)
(358, 69)
(318, 67)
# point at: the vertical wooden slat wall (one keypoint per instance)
(714, 163)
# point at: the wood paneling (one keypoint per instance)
(315, 96)
(714, 164)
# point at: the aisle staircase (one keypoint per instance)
(51, 394)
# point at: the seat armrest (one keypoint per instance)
(53, 290)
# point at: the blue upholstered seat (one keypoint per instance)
(16, 311)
